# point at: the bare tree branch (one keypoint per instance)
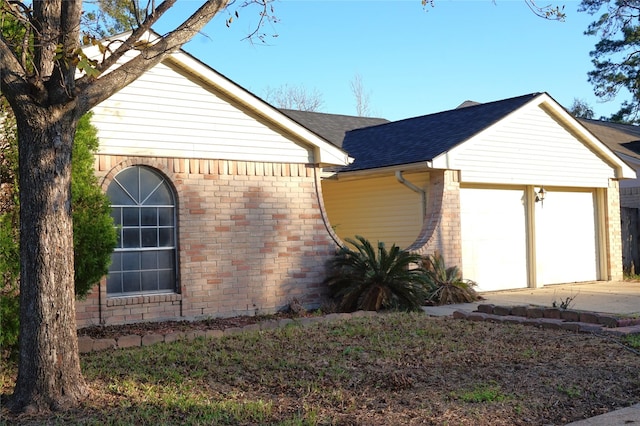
(93, 91)
(362, 97)
(294, 97)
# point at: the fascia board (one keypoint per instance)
(358, 174)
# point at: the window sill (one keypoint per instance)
(142, 299)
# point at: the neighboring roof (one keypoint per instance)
(468, 103)
(420, 139)
(620, 138)
(331, 127)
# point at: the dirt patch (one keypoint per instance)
(166, 327)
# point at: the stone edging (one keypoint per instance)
(553, 318)
(87, 344)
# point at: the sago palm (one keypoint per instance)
(446, 284)
(368, 278)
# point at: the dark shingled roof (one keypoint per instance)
(423, 138)
(331, 127)
(621, 138)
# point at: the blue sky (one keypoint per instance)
(412, 60)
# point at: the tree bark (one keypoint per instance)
(49, 377)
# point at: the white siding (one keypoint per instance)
(529, 147)
(379, 208)
(165, 113)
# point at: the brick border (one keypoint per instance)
(553, 318)
(87, 344)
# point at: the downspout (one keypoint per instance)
(415, 188)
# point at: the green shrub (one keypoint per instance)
(446, 284)
(374, 279)
(10, 269)
(94, 236)
(9, 233)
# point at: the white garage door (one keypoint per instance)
(494, 247)
(566, 238)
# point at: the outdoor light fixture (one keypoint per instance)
(540, 195)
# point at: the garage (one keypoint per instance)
(566, 244)
(494, 241)
(495, 249)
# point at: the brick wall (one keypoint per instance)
(441, 231)
(251, 237)
(614, 230)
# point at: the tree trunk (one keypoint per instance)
(49, 375)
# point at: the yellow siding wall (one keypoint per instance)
(379, 208)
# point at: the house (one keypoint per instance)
(216, 196)
(624, 140)
(517, 192)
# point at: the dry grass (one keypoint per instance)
(395, 369)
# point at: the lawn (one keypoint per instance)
(391, 369)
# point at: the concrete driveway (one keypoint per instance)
(612, 297)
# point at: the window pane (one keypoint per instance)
(148, 216)
(149, 237)
(130, 216)
(161, 196)
(128, 178)
(114, 283)
(118, 196)
(130, 237)
(130, 281)
(116, 214)
(116, 262)
(166, 281)
(165, 216)
(131, 261)
(149, 260)
(149, 181)
(166, 259)
(149, 281)
(166, 237)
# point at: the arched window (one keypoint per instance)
(144, 211)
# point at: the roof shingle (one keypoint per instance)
(331, 127)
